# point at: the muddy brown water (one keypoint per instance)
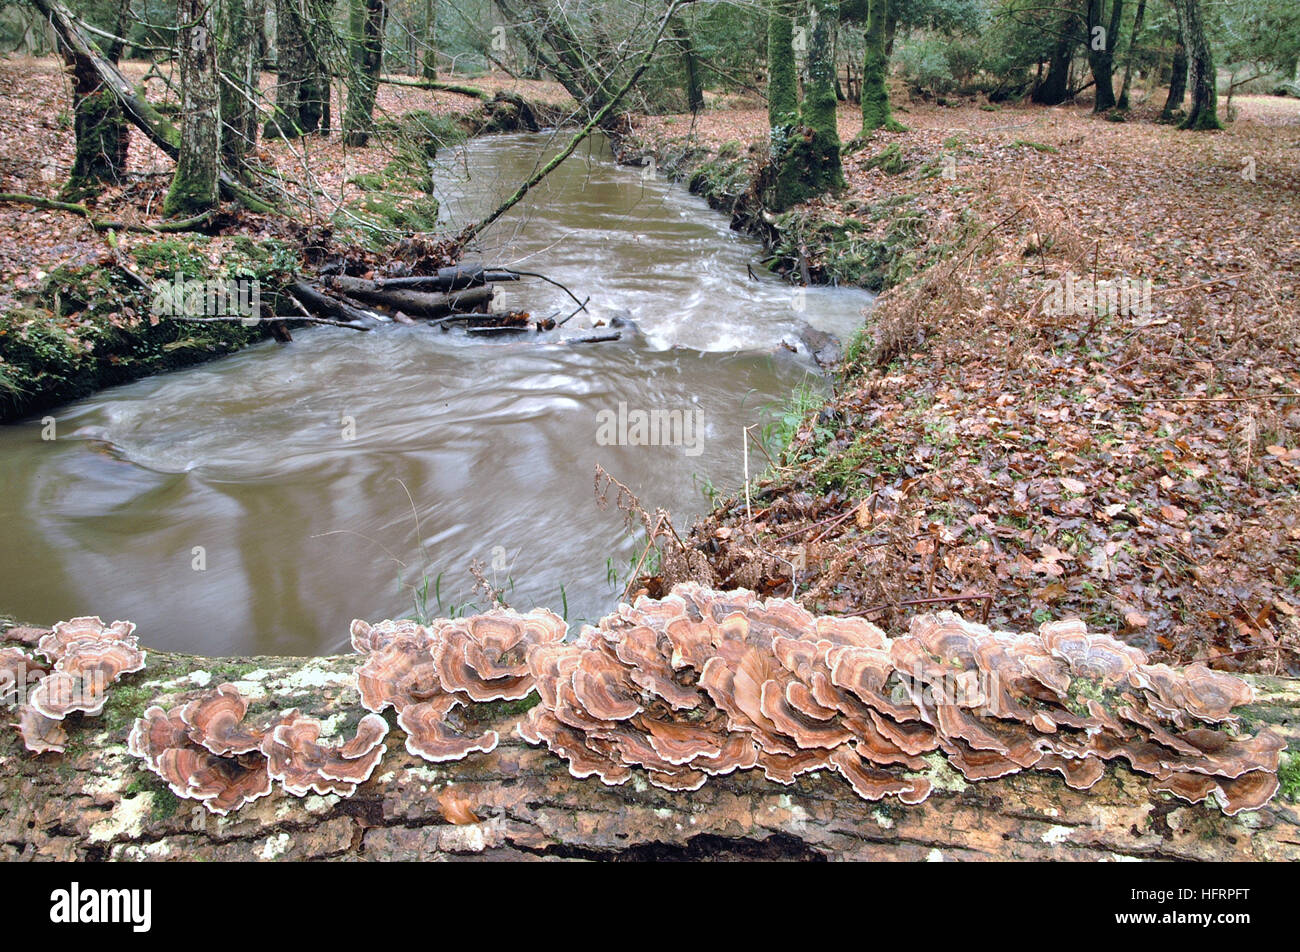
(259, 503)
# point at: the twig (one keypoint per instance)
(934, 600)
(582, 305)
(1285, 395)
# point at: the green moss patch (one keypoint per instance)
(91, 327)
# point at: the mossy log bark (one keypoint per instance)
(95, 802)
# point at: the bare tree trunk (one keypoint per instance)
(1055, 87)
(1178, 76)
(690, 64)
(1102, 39)
(290, 72)
(430, 65)
(194, 185)
(314, 102)
(1132, 47)
(239, 63)
(1204, 112)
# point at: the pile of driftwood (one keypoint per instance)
(460, 295)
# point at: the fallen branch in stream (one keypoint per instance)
(470, 232)
(419, 303)
(455, 295)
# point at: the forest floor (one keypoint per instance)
(996, 447)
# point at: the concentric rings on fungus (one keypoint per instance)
(426, 672)
(88, 657)
(703, 682)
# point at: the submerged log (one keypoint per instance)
(95, 802)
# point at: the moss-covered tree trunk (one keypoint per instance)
(99, 124)
(1123, 102)
(875, 72)
(239, 78)
(782, 76)
(1178, 71)
(194, 185)
(1204, 113)
(429, 67)
(1102, 38)
(817, 114)
(367, 58)
(782, 105)
(96, 802)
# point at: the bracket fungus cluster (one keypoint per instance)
(702, 683)
(426, 673)
(87, 657)
(206, 751)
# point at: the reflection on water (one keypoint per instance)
(259, 503)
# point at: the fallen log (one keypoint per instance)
(445, 279)
(595, 338)
(439, 86)
(417, 303)
(95, 802)
(318, 301)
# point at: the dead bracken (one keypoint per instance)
(702, 683)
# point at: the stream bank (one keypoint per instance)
(75, 323)
(1010, 437)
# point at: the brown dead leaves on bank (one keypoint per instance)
(1086, 406)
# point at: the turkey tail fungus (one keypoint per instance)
(667, 686)
(88, 656)
(697, 685)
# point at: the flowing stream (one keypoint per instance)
(258, 503)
